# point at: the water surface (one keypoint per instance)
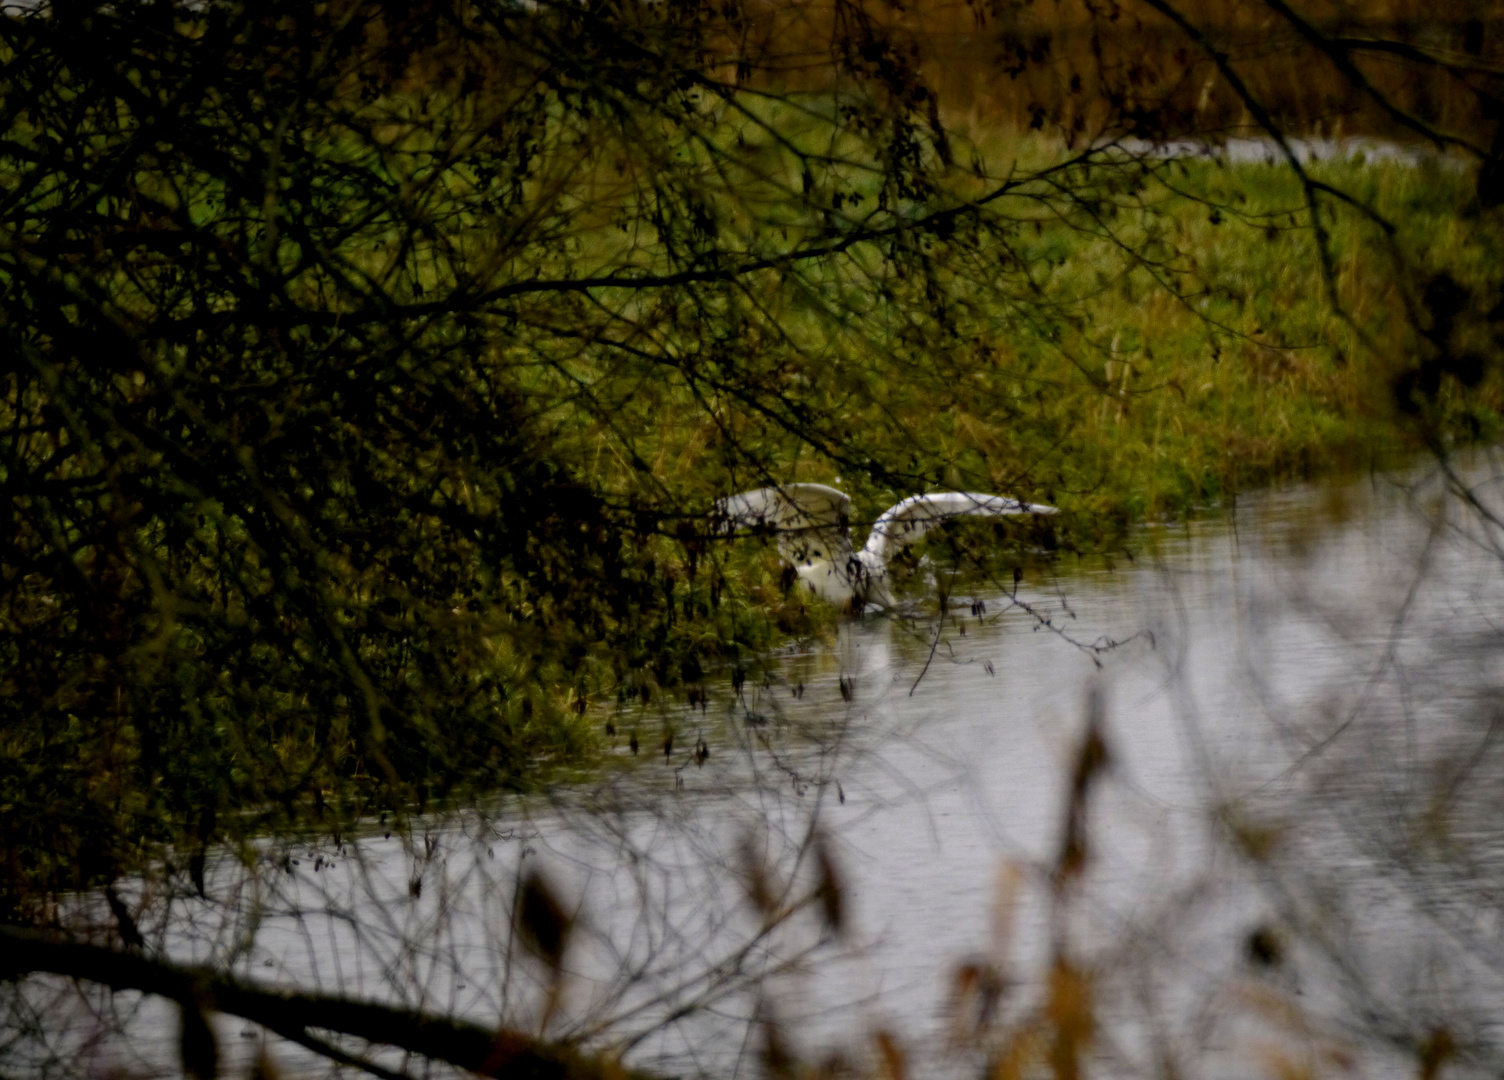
(1291, 860)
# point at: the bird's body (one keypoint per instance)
(812, 524)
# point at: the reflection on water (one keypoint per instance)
(1293, 862)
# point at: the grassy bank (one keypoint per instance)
(1184, 346)
(1181, 342)
(1227, 356)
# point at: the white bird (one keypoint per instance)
(812, 523)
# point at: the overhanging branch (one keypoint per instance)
(291, 1014)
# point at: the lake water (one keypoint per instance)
(1294, 861)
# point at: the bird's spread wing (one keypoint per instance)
(905, 522)
(809, 520)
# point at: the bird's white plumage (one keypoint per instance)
(812, 524)
(810, 521)
(905, 522)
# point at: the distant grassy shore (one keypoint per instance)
(1224, 354)
(1240, 359)
(1231, 357)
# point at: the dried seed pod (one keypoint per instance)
(760, 888)
(828, 888)
(542, 920)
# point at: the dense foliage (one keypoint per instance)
(363, 360)
(350, 352)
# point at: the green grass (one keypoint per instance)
(1154, 393)
(1185, 347)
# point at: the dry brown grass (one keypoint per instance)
(1082, 68)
